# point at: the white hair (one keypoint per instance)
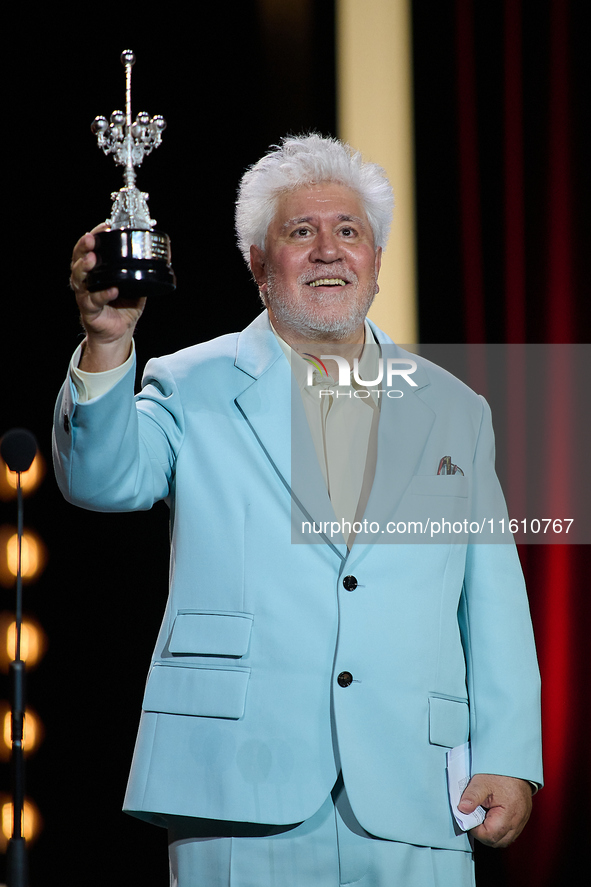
(301, 161)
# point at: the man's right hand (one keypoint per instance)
(109, 321)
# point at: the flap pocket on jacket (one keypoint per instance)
(210, 633)
(449, 721)
(439, 485)
(202, 692)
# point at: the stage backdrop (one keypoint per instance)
(501, 98)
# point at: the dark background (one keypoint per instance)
(229, 85)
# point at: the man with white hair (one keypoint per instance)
(307, 684)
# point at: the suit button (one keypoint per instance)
(345, 679)
(350, 583)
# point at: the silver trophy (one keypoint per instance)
(131, 255)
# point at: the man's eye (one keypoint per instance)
(348, 232)
(302, 232)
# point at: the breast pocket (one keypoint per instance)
(437, 502)
(439, 485)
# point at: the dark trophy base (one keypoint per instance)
(136, 262)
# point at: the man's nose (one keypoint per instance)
(326, 247)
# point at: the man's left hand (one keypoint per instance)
(507, 802)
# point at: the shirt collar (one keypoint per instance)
(368, 362)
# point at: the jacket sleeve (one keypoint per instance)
(502, 670)
(116, 452)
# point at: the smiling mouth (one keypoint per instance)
(328, 281)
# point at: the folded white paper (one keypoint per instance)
(459, 770)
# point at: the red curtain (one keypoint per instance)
(544, 300)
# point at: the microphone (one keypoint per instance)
(18, 448)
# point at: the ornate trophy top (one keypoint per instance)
(129, 142)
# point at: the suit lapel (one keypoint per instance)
(404, 427)
(272, 407)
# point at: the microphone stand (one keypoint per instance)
(18, 450)
(16, 859)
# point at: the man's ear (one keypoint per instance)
(258, 267)
(378, 265)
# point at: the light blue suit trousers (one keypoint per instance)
(330, 849)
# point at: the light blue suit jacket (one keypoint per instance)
(236, 719)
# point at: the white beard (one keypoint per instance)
(309, 317)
